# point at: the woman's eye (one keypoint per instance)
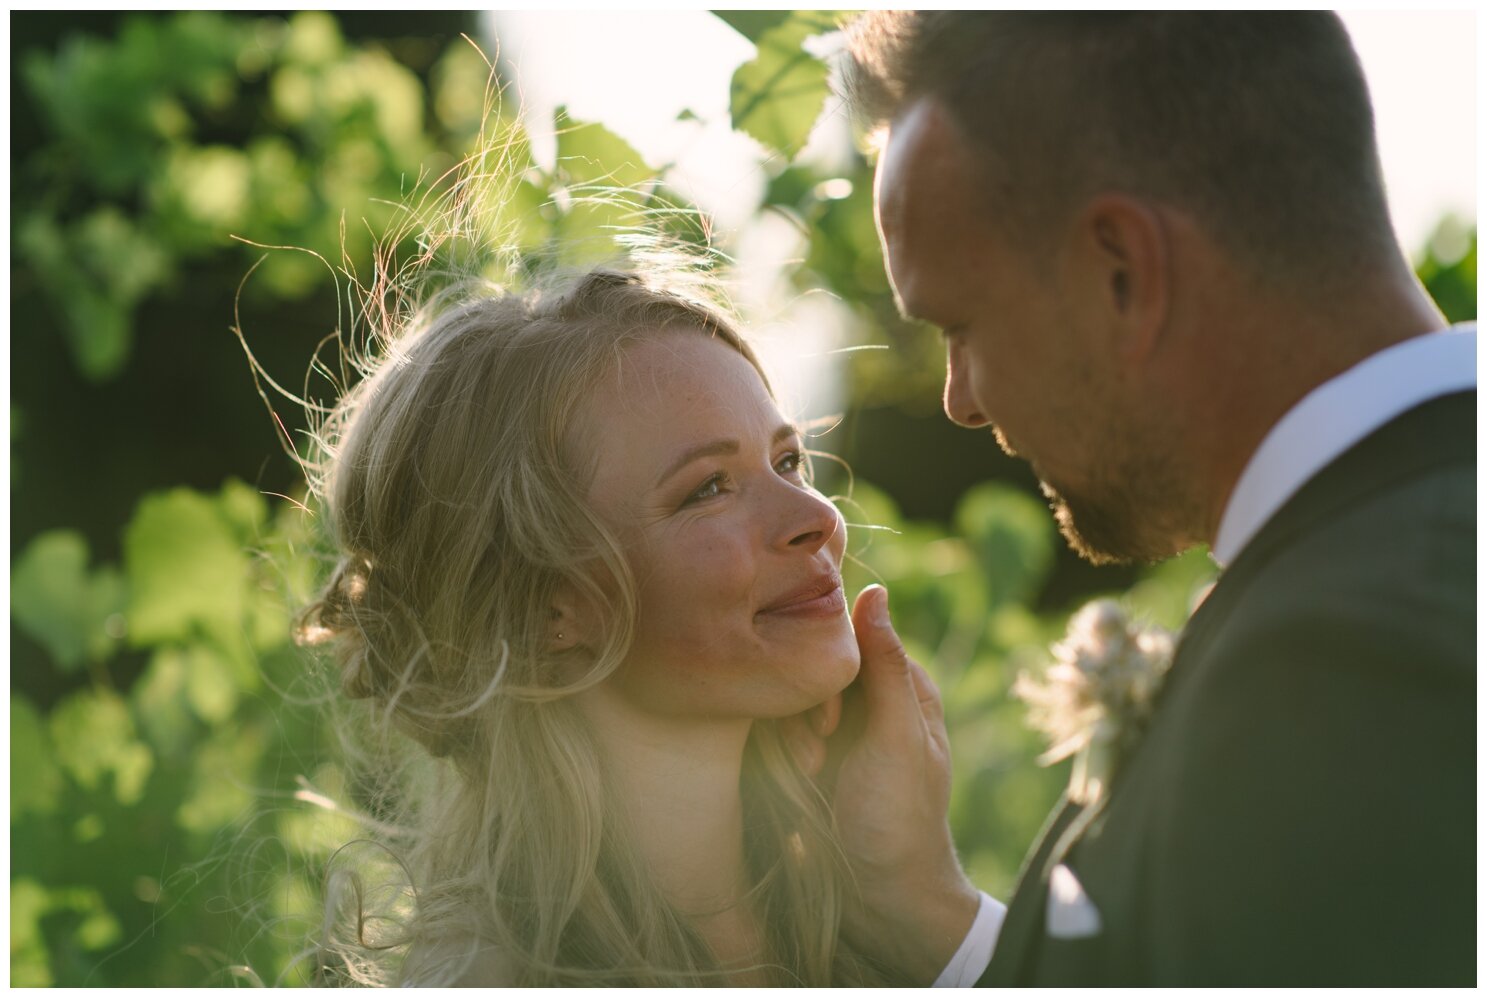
(708, 489)
(789, 464)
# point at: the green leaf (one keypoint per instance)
(1167, 593)
(777, 96)
(29, 965)
(212, 684)
(101, 333)
(99, 929)
(95, 273)
(55, 600)
(752, 23)
(461, 81)
(126, 261)
(159, 701)
(208, 189)
(222, 771)
(607, 192)
(590, 154)
(1012, 537)
(93, 735)
(314, 39)
(35, 780)
(95, 929)
(186, 569)
(244, 507)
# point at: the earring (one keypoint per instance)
(560, 635)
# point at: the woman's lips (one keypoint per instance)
(822, 599)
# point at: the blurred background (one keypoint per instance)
(166, 782)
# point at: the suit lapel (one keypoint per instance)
(1391, 454)
(1023, 926)
(1434, 434)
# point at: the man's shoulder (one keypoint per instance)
(1381, 542)
(1389, 573)
(1307, 783)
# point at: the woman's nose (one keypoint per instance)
(811, 521)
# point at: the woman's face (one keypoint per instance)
(737, 560)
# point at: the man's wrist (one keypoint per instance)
(970, 961)
(919, 934)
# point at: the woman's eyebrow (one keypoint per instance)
(716, 447)
(700, 451)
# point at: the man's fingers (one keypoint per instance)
(883, 657)
(888, 690)
(808, 748)
(825, 716)
(928, 693)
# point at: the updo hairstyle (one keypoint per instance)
(456, 481)
(455, 477)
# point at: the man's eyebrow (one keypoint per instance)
(716, 447)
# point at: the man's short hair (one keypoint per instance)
(1258, 124)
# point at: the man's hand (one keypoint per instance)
(889, 765)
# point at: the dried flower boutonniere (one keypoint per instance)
(1093, 702)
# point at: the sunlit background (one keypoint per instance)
(639, 72)
(175, 795)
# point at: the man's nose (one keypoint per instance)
(960, 391)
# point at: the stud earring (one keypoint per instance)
(560, 635)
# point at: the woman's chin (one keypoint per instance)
(827, 672)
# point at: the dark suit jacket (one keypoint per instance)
(1302, 809)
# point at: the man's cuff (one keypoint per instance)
(974, 956)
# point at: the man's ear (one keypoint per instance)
(1125, 250)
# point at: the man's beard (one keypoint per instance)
(1133, 518)
(1135, 512)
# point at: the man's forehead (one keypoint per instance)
(925, 190)
(905, 158)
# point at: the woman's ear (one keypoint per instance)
(566, 621)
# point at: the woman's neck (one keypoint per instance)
(679, 781)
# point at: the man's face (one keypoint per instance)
(1025, 352)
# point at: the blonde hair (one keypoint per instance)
(453, 478)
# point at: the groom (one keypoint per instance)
(1159, 251)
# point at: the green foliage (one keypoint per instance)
(752, 23)
(87, 925)
(35, 779)
(777, 96)
(120, 801)
(1012, 540)
(160, 827)
(133, 192)
(186, 569)
(1449, 269)
(54, 598)
(603, 182)
(93, 736)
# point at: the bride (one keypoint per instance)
(583, 567)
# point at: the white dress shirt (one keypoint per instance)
(1337, 415)
(1324, 424)
(974, 956)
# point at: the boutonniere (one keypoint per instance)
(1094, 700)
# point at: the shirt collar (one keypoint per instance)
(1337, 415)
